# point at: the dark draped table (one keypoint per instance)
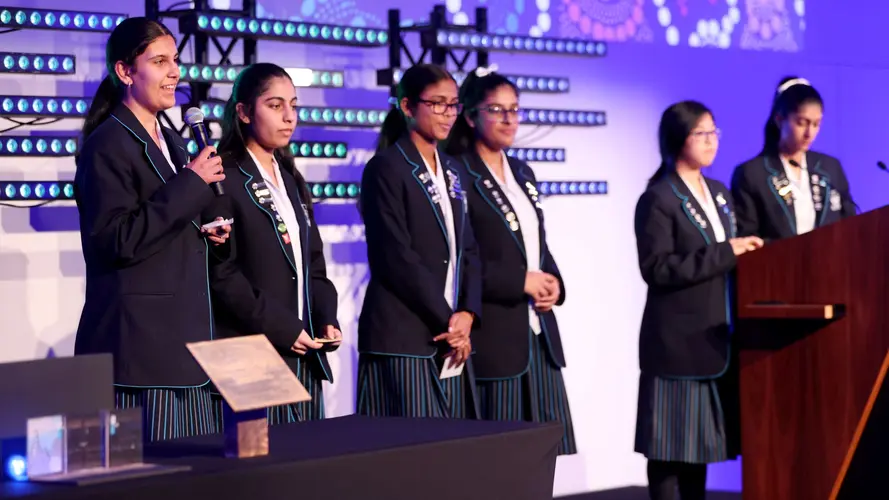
(345, 458)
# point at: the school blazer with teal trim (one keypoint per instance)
(685, 329)
(253, 275)
(407, 251)
(502, 342)
(147, 290)
(763, 212)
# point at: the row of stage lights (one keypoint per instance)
(250, 28)
(61, 190)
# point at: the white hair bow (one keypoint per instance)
(791, 83)
(483, 72)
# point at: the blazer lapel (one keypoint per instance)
(819, 183)
(424, 179)
(692, 209)
(489, 189)
(726, 211)
(259, 192)
(523, 177)
(177, 151)
(779, 185)
(457, 198)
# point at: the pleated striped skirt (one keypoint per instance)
(681, 421)
(312, 409)
(538, 395)
(171, 413)
(401, 386)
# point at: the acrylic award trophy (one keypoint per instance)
(251, 376)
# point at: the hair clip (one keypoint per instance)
(790, 83)
(483, 72)
(393, 101)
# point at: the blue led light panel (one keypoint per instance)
(287, 31)
(537, 154)
(315, 115)
(525, 83)
(302, 77)
(35, 145)
(299, 149)
(512, 43)
(11, 105)
(562, 117)
(36, 190)
(54, 19)
(39, 64)
(556, 188)
(343, 190)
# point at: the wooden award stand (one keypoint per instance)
(251, 376)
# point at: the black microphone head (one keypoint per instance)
(882, 165)
(193, 116)
(794, 163)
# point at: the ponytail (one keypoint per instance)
(107, 97)
(394, 126)
(462, 138)
(772, 136)
(285, 160)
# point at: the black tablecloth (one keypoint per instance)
(348, 458)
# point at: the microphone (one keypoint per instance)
(882, 166)
(194, 118)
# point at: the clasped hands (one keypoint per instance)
(457, 337)
(543, 288)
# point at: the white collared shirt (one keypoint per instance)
(163, 145)
(444, 201)
(803, 205)
(529, 223)
(286, 211)
(710, 209)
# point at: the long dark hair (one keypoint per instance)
(127, 42)
(474, 90)
(677, 122)
(788, 99)
(248, 86)
(413, 82)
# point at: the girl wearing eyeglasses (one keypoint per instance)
(424, 293)
(687, 244)
(788, 189)
(518, 358)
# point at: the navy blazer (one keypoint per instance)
(502, 343)
(686, 324)
(764, 202)
(147, 290)
(407, 252)
(253, 275)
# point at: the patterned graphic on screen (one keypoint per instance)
(776, 25)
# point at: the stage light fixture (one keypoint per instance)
(36, 190)
(511, 43)
(341, 190)
(302, 77)
(555, 188)
(47, 19)
(525, 83)
(39, 64)
(288, 31)
(562, 117)
(37, 145)
(315, 115)
(299, 149)
(44, 106)
(537, 154)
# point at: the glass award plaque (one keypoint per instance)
(85, 443)
(46, 445)
(123, 432)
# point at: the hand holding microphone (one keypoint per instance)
(207, 165)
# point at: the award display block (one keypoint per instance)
(251, 376)
(123, 432)
(46, 445)
(85, 442)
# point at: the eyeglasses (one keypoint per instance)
(703, 135)
(507, 115)
(443, 108)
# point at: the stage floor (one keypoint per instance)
(641, 493)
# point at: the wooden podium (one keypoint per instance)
(813, 329)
